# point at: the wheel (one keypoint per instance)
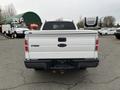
(8, 32)
(83, 68)
(4, 33)
(100, 34)
(117, 37)
(14, 35)
(105, 33)
(38, 69)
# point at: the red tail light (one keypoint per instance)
(97, 44)
(26, 46)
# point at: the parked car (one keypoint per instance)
(117, 33)
(107, 31)
(60, 45)
(19, 32)
(13, 32)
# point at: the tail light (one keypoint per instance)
(97, 44)
(26, 46)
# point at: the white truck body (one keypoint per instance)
(63, 45)
(6, 28)
(20, 30)
(13, 31)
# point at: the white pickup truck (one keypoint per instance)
(60, 45)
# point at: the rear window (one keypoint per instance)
(59, 26)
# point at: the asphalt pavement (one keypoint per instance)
(14, 75)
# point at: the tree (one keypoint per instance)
(118, 25)
(80, 24)
(0, 15)
(109, 21)
(9, 11)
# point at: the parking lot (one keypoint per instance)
(14, 75)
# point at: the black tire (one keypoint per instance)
(106, 34)
(100, 34)
(38, 69)
(4, 33)
(8, 32)
(83, 68)
(117, 37)
(14, 35)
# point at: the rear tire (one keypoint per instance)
(38, 69)
(14, 35)
(117, 37)
(4, 33)
(100, 34)
(83, 68)
(106, 34)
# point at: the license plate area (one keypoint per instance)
(62, 64)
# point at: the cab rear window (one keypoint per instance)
(59, 26)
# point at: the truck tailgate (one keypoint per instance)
(65, 44)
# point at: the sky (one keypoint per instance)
(67, 9)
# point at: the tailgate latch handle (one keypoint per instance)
(62, 39)
(62, 45)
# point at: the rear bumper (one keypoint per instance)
(61, 63)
